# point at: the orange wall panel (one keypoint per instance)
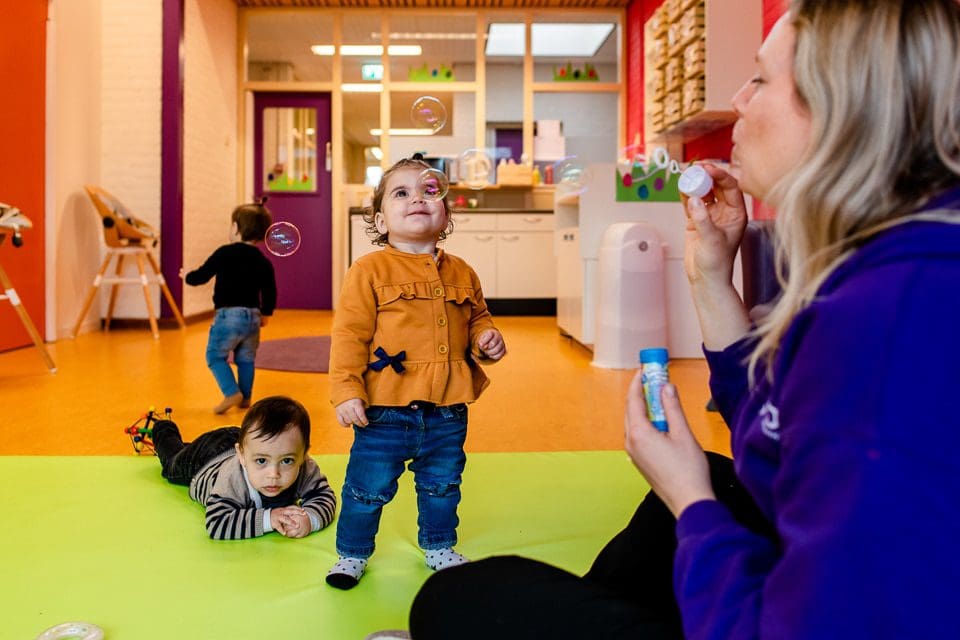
(22, 75)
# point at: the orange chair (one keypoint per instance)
(126, 235)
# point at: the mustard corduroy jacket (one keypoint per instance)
(432, 311)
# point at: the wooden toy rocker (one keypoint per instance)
(126, 235)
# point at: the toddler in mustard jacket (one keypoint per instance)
(409, 329)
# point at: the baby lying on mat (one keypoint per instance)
(255, 478)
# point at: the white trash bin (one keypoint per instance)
(632, 304)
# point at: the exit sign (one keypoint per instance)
(371, 71)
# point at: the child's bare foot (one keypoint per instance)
(244, 404)
(228, 402)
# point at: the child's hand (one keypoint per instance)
(291, 521)
(182, 273)
(491, 344)
(351, 412)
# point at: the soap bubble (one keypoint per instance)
(475, 168)
(432, 184)
(428, 113)
(282, 239)
(571, 176)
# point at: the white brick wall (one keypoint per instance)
(130, 99)
(74, 160)
(130, 119)
(210, 136)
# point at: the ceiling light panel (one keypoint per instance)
(549, 39)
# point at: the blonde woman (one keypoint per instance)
(842, 402)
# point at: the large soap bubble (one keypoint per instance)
(475, 169)
(432, 184)
(428, 113)
(571, 176)
(282, 239)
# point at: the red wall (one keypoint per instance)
(22, 75)
(713, 145)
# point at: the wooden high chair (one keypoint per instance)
(11, 222)
(126, 235)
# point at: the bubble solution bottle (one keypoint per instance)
(695, 182)
(654, 374)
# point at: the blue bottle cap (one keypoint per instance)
(654, 355)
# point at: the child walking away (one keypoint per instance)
(244, 296)
(409, 329)
(253, 479)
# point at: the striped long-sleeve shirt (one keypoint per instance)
(235, 510)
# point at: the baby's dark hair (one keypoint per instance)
(252, 220)
(370, 215)
(273, 415)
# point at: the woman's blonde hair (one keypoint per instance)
(881, 81)
(370, 215)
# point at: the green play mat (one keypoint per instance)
(106, 540)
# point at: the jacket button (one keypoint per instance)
(442, 321)
(442, 348)
(438, 291)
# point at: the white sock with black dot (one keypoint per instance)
(346, 573)
(438, 559)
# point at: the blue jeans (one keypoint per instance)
(432, 437)
(234, 330)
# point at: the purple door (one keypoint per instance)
(291, 152)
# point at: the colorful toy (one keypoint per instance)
(571, 74)
(640, 180)
(141, 431)
(425, 73)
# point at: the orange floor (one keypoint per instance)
(545, 396)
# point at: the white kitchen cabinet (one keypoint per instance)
(525, 265)
(512, 253)
(478, 246)
(569, 283)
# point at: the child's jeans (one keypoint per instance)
(234, 330)
(432, 437)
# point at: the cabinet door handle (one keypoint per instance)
(510, 238)
(532, 219)
(463, 220)
(483, 238)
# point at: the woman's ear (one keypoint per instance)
(381, 222)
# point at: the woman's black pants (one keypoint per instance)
(627, 593)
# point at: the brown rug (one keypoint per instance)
(306, 353)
